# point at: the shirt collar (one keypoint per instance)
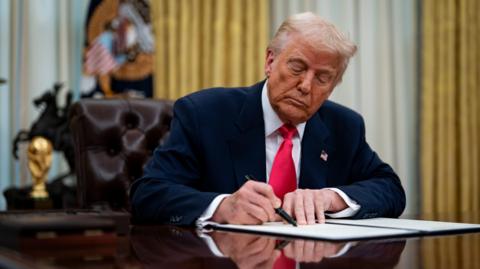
(270, 117)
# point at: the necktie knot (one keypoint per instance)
(287, 131)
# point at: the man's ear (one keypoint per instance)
(269, 58)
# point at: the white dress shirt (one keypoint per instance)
(273, 140)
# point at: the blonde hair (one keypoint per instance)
(319, 33)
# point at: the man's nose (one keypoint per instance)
(305, 85)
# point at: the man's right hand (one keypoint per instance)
(253, 203)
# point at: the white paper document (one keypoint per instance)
(317, 231)
(409, 224)
(343, 229)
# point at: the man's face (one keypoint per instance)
(300, 79)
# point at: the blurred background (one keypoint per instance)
(414, 79)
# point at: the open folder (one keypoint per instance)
(345, 229)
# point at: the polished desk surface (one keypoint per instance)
(179, 247)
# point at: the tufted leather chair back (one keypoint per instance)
(113, 139)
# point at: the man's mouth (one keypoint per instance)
(296, 102)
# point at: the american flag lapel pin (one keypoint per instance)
(324, 156)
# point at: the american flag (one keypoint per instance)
(324, 156)
(99, 59)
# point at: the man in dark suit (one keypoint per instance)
(308, 155)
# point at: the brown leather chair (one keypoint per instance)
(113, 139)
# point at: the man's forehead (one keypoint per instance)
(322, 59)
(301, 44)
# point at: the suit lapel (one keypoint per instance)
(247, 148)
(315, 154)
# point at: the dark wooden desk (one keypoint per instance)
(176, 247)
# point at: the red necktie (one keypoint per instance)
(283, 178)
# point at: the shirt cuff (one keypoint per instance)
(352, 209)
(202, 221)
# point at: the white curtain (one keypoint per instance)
(41, 43)
(4, 99)
(382, 80)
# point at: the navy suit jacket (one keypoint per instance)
(217, 137)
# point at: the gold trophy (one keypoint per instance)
(40, 153)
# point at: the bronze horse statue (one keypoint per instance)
(52, 124)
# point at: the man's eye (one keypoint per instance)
(297, 68)
(324, 78)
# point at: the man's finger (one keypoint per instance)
(261, 201)
(244, 218)
(288, 203)
(309, 206)
(255, 212)
(267, 191)
(319, 209)
(299, 208)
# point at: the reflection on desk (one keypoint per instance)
(173, 247)
(451, 252)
